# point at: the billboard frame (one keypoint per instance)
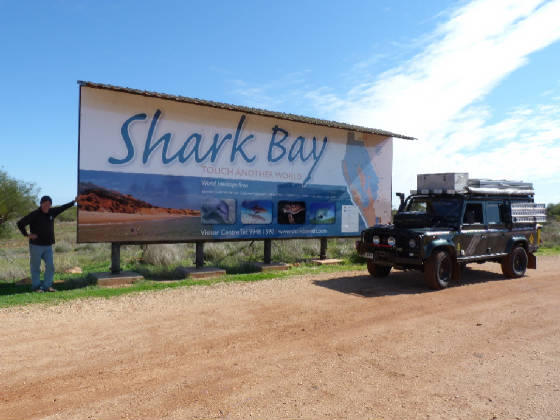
(225, 106)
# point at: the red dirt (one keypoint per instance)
(325, 346)
(105, 201)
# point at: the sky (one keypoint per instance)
(476, 82)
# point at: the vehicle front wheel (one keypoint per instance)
(438, 270)
(377, 270)
(515, 264)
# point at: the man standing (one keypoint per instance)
(41, 239)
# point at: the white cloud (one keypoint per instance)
(436, 97)
(477, 47)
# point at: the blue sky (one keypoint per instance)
(477, 82)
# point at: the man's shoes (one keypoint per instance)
(38, 291)
(50, 289)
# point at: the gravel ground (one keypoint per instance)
(323, 346)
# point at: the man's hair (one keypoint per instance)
(46, 198)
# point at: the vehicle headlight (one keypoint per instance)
(412, 243)
(375, 239)
(391, 241)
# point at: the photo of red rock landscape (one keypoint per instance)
(105, 214)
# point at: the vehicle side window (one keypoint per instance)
(473, 214)
(417, 205)
(493, 213)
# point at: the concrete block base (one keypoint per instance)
(272, 266)
(120, 279)
(200, 273)
(328, 261)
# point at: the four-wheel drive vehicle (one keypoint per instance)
(450, 221)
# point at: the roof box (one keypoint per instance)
(456, 181)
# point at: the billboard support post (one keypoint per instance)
(116, 277)
(199, 259)
(115, 258)
(323, 251)
(267, 251)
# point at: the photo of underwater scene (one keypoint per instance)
(322, 213)
(218, 211)
(256, 212)
(291, 212)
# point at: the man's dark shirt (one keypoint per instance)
(42, 224)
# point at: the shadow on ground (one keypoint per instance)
(16, 289)
(401, 282)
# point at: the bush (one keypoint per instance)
(16, 197)
(63, 246)
(162, 254)
(8, 230)
(13, 273)
(230, 254)
(553, 212)
(68, 215)
(341, 248)
(551, 234)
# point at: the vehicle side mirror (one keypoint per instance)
(401, 196)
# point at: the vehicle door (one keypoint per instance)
(474, 231)
(497, 231)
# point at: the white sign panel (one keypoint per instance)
(158, 169)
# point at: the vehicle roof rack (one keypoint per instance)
(459, 183)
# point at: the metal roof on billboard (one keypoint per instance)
(249, 110)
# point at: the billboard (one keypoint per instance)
(157, 168)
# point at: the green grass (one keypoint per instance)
(157, 264)
(77, 286)
(548, 250)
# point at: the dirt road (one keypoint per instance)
(325, 346)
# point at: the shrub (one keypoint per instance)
(341, 248)
(551, 234)
(8, 230)
(162, 254)
(16, 197)
(62, 262)
(230, 254)
(553, 211)
(68, 215)
(63, 246)
(13, 272)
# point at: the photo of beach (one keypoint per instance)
(123, 207)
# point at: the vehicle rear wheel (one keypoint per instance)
(438, 270)
(377, 270)
(515, 264)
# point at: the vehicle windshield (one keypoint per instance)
(435, 208)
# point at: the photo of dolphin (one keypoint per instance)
(217, 211)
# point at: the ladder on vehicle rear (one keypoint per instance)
(528, 213)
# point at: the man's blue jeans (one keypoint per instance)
(36, 254)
